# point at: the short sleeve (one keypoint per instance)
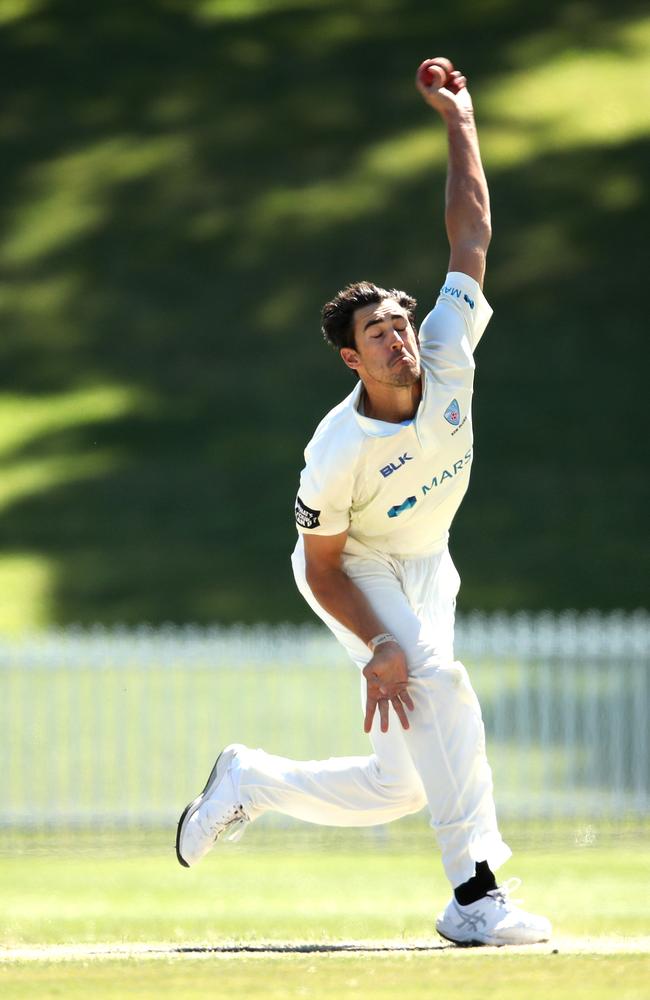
(449, 334)
(325, 494)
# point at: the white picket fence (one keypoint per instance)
(116, 727)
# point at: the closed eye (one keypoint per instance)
(395, 318)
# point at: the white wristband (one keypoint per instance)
(379, 639)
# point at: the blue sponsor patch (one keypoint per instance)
(455, 294)
(452, 413)
(399, 508)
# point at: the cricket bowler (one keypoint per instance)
(385, 473)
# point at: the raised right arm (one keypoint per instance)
(467, 200)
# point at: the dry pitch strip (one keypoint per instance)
(79, 952)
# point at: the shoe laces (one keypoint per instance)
(229, 826)
(503, 893)
(236, 825)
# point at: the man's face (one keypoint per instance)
(387, 349)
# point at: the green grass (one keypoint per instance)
(335, 977)
(273, 889)
(248, 893)
(26, 578)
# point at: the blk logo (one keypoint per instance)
(392, 467)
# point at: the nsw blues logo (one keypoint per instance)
(452, 413)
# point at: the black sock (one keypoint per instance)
(477, 886)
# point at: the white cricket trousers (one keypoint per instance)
(440, 761)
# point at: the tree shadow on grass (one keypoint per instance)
(148, 149)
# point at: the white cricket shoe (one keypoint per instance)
(494, 919)
(215, 814)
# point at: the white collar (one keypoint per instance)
(370, 426)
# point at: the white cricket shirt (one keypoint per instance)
(396, 488)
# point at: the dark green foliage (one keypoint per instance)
(210, 147)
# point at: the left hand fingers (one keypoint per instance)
(406, 698)
(371, 705)
(399, 702)
(383, 714)
(397, 690)
(399, 712)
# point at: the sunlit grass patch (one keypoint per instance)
(367, 889)
(68, 197)
(15, 10)
(25, 581)
(337, 977)
(24, 418)
(35, 459)
(26, 422)
(569, 99)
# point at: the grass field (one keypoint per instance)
(416, 977)
(274, 891)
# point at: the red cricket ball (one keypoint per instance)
(427, 71)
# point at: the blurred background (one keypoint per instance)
(184, 183)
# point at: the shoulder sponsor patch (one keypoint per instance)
(305, 516)
(454, 293)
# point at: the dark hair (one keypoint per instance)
(338, 315)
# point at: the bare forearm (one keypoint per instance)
(386, 671)
(467, 200)
(340, 596)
